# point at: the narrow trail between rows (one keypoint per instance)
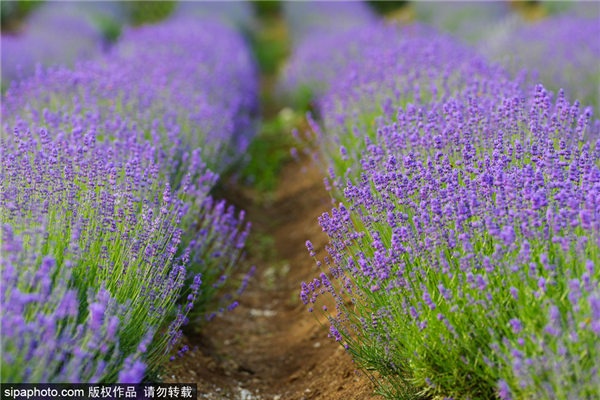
(270, 347)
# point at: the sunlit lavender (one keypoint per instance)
(384, 67)
(147, 77)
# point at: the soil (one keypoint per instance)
(270, 346)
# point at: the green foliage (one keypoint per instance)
(269, 51)
(111, 29)
(147, 12)
(269, 151)
(13, 12)
(267, 8)
(386, 7)
(269, 42)
(302, 99)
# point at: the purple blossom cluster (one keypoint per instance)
(206, 75)
(198, 89)
(463, 252)
(481, 247)
(317, 60)
(103, 177)
(177, 105)
(567, 40)
(383, 67)
(101, 211)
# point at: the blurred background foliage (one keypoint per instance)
(145, 12)
(14, 12)
(266, 34)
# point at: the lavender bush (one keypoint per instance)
(463, 264)
(219, 104)
(176, 114)
(103, 179)
(99, 213)
(45, 330)
(387, 67)
(316, 28)
(564, 39)
(193, 77)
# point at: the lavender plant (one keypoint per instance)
(163, 106)
(316, 29)
(222, 99)
(566, 39)
(168, 77)
(47, 334)
(102, 179)
(111, 227)
(463, 261)
(313, 64)
(387, 67)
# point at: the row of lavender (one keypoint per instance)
(111, 241)
(464, 252)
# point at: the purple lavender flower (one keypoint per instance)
(504, 390)
(310, 248)
(47, 336)
(133, 372)
(516, 325)
(335, 334)
(595, 314)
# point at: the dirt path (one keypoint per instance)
(270, 347)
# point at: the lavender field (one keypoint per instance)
(302, 200)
